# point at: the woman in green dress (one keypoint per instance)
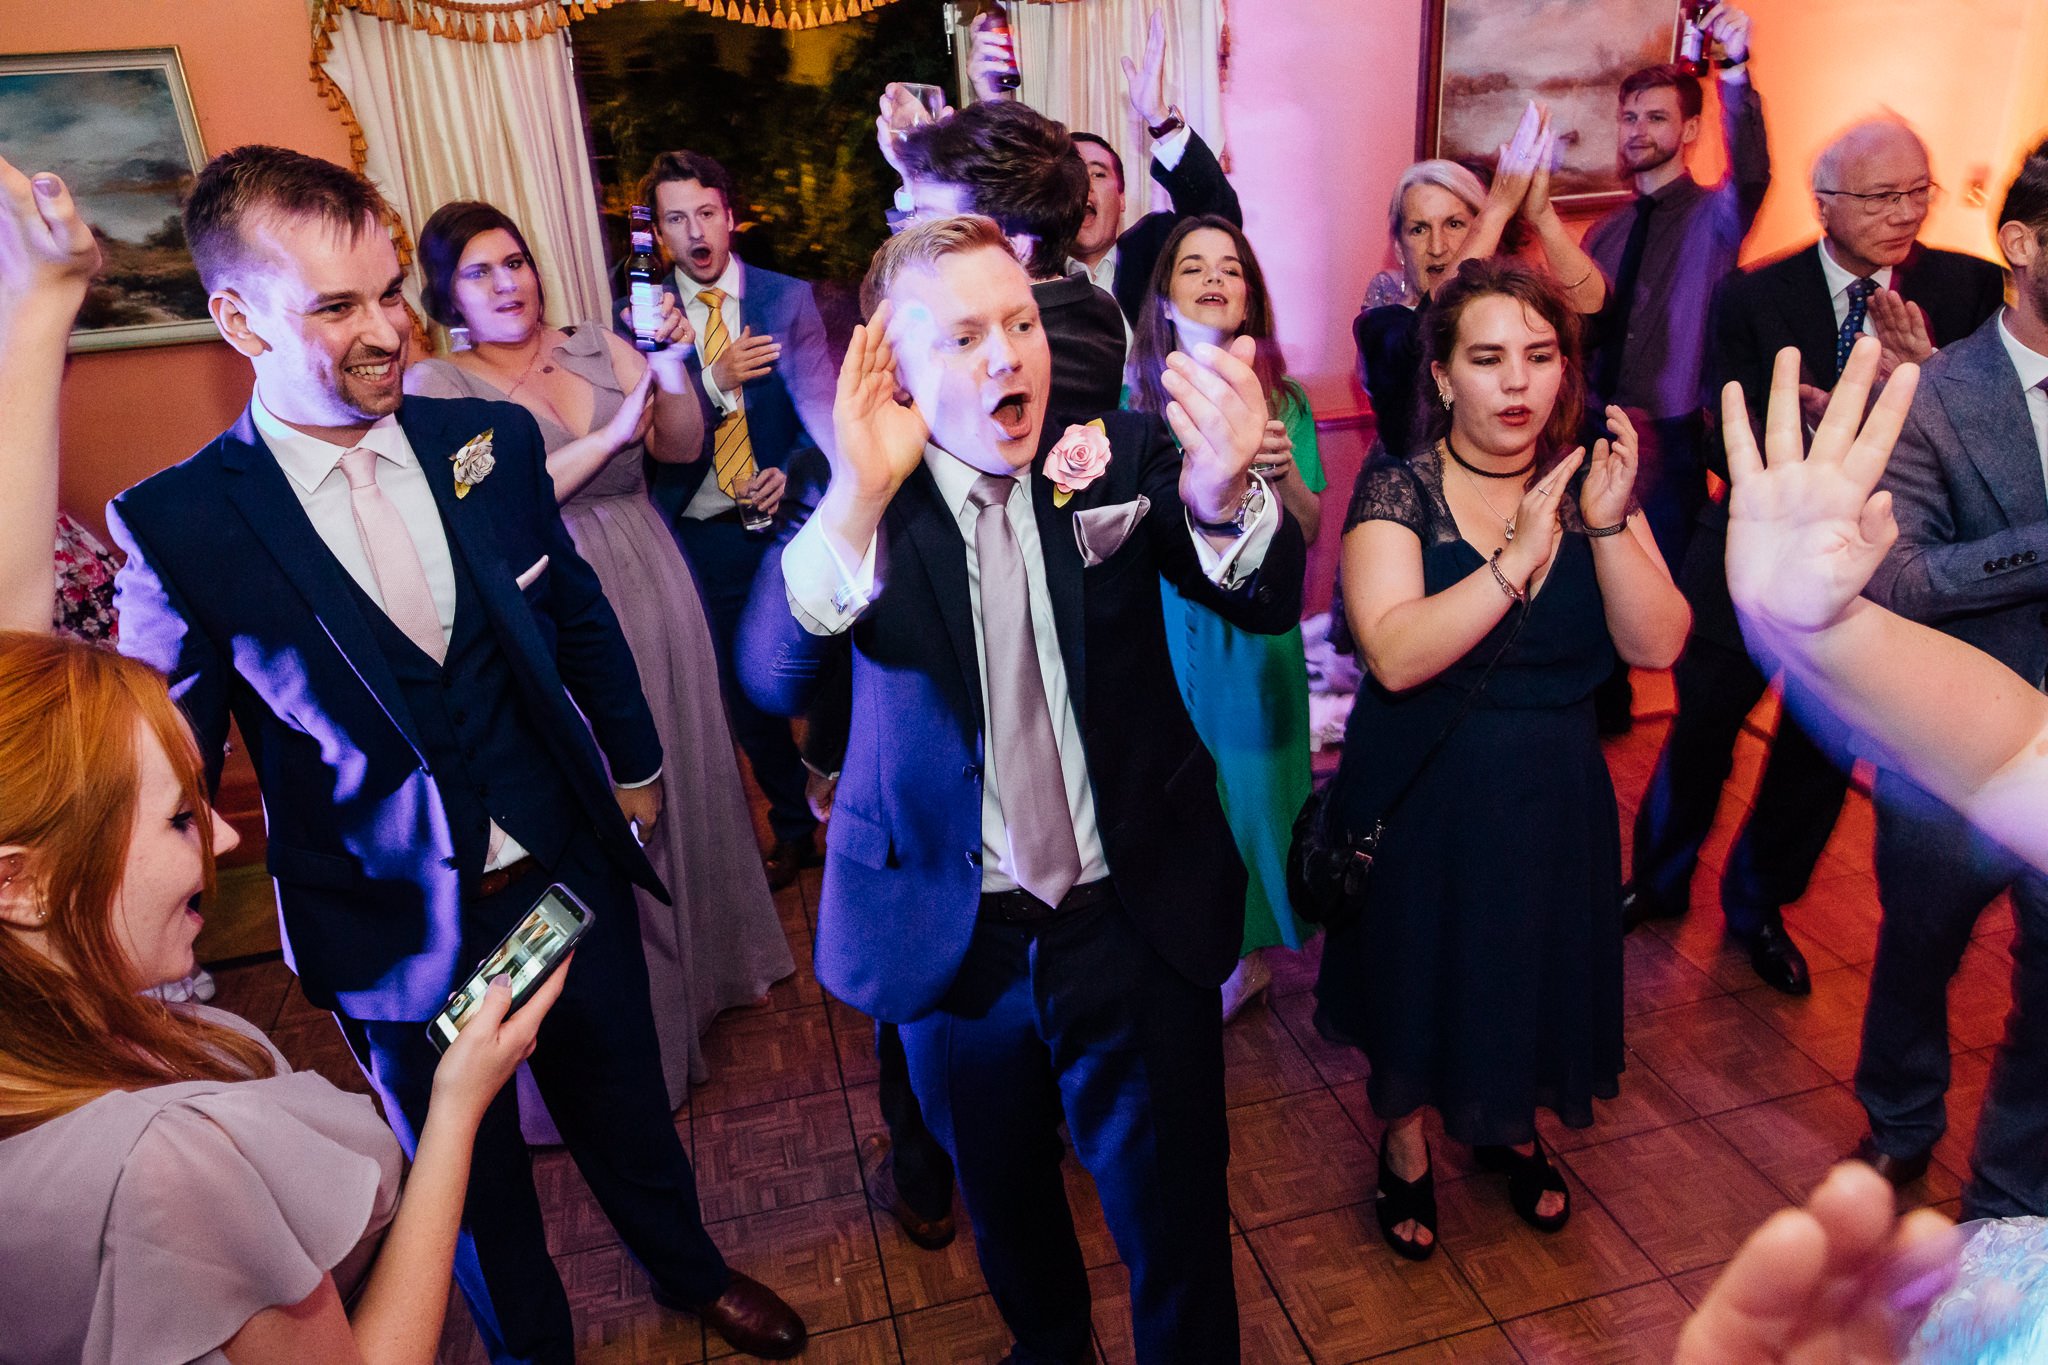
(1247, 694)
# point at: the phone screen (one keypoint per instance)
(527, 955)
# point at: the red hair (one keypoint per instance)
(71, 717)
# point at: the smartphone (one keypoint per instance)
(529, 955)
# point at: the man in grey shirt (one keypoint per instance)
(1665, 255)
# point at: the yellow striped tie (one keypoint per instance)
(732, 453)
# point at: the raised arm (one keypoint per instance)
(1805, 533)
(47, 257)
(1742, 119)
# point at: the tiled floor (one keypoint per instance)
(1734, 1102)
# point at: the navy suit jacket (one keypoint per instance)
(1198, 187)
(902, 881)
(1972, 554)
(230, 592)
(789, 409)
(1784, 302)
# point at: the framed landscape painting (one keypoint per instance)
(118, 127)
(1484, 60)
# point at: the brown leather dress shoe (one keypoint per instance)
(878, 1164)
(1900, 1170)
(751, 1318)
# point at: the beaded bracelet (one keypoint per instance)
(1514, 593)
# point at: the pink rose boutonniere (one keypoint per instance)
(1076, 460)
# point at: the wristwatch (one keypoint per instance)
(1173, 124)
(1247, 515)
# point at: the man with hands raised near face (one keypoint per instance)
(764, 364)
(1027, 866)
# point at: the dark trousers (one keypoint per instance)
(723, 556)
(924, 1173)
(1671, 484)
(1078, 1018)
(1935, 875)
(599, 1070)
(1796, 803)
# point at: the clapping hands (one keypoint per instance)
(1807, 530)
(1218, 413)
(1521, 178)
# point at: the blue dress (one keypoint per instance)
(1485, 977)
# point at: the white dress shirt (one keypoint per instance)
(1167, 152)
(2033, 370)
(710, 500)
(826, 598)
(313, 469)
(1839, 281)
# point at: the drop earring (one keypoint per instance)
(1444, 397)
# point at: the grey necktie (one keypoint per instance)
(1032, 790)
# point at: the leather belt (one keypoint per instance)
(491, 883)
(1021, 907)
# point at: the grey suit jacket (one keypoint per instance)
(1972, 507)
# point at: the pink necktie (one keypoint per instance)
(394, 559)
(1032, 787)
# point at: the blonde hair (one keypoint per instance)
(70, 778)
(925, 245)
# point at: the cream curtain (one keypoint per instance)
(498, 121)
(1069, 58)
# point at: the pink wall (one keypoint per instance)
(130, 413)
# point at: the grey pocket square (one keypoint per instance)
(1101, 531)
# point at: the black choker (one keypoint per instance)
(1469, 467)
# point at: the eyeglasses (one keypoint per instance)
(1884, 201)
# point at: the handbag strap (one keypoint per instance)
(1521, 612)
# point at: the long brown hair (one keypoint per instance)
(1155, 337)
(1482, 278)
(70, 777)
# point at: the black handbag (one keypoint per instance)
(1327, 867)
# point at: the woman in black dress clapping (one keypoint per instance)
(1483, 979)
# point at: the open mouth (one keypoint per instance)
(1515, 416)
(514, 306)
(375, 373)
(1212, 299)
(192, 907)
(700, 255)
(1012, 415)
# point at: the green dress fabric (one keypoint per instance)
(1248, 697)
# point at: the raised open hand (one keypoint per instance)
(1806, 531)
(880, 440)
(1218, 412)
(1145, 86)
(45, 247)
(1611, 475)
(1538, 528)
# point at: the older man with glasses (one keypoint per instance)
(1872, 189)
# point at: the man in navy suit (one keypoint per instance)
(1027, 866)
(380, 592)
(1971, 560)
(1872, 187)
(766, 367)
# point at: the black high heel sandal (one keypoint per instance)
(1403, 1201)
(1530, 1177)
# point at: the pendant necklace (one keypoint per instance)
(1507, 522)
(539, 350)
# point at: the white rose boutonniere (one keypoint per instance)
(474, 462)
